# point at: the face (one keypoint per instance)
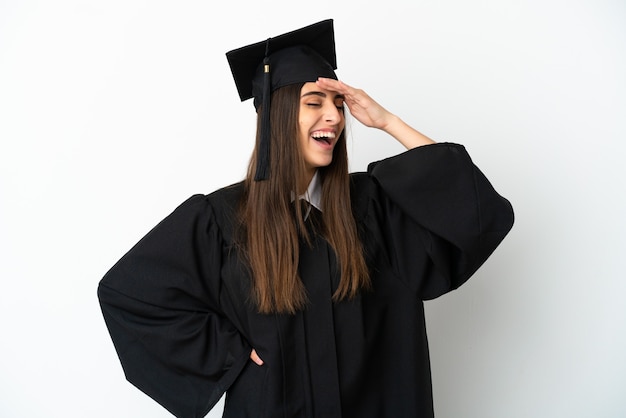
(320, 123)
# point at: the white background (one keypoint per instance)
(114, 112)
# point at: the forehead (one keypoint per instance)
(310, 87)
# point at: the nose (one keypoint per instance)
(331, 113)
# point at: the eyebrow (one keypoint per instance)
(320, 94)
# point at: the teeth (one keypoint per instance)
(323, 134)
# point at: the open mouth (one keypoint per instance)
(326, 137)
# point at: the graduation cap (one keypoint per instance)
(299, 56)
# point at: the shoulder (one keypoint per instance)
(224, 204)
(360, 182)
(227, 198)
(362, 191)
(214, 207)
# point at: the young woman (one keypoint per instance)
(298, 292)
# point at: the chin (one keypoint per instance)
(323, 164)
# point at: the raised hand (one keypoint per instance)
(371, 114)
(365, 109)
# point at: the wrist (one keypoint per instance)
(391, 123)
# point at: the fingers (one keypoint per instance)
(365, 109)
(335, 85)
(351, 94)
(255, 358)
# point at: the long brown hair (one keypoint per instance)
(273, 225)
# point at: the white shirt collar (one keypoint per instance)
(313, 194)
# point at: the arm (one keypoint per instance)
(373, 115)
(431, 198)
(161, 304)
(434, 201)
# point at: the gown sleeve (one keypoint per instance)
(161, 305)
(433, 200)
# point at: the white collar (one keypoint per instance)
(313, 194)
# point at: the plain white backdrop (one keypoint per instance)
(112, 113)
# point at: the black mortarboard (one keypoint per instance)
(299, 56)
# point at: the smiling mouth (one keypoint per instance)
(326, 137)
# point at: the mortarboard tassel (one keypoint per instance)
(263, 158)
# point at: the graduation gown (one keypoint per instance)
(178, 310)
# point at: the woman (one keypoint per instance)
(299, 291)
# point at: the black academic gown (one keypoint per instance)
(178, 311)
